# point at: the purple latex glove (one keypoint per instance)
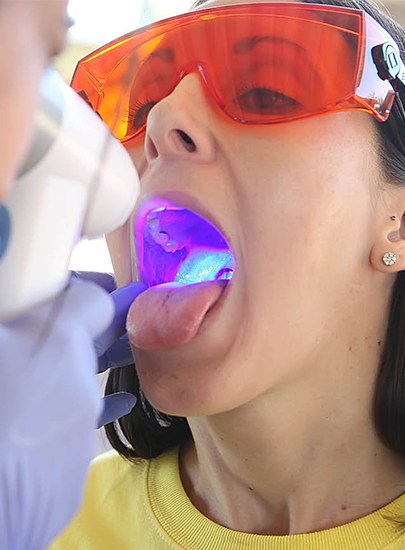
(49, 405)
(113, 348)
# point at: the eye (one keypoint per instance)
(266, 101)
(138, 114)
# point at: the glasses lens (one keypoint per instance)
(269, 64)
(289, 68)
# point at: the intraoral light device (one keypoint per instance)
(77, 181)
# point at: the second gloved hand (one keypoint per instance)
(112, 347)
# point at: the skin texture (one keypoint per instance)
(42, 26)
(278, 384)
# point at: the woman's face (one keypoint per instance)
(295, 202)
(31, 33)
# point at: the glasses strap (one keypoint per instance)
(389, 65)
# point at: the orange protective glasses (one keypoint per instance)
(262, 63)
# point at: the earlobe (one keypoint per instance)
(388, 252)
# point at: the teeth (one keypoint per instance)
(171, 246)
(161, 238)
(154, 226)
(224, 274)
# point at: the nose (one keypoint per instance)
(178, 126)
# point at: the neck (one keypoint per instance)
(293, 461)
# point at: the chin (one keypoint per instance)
(172, 391)
(179, 388)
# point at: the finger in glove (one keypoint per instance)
(118, 355)
(123, 298)
(105, 280)
(115, 406)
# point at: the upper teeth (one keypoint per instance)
(161, 237)
(171, 246)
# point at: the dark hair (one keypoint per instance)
(146, 432)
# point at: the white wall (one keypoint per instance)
(99, 21)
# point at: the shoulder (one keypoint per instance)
(117, 502)
(110, 470)
(113, 479)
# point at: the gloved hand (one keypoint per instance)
(49, 405)
(113, 348)
(114, 351)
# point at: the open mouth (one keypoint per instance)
(176, 245)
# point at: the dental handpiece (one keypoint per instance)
(77, 181)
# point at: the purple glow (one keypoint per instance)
(176, 245)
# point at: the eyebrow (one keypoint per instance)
(248, 44)
(245, 45)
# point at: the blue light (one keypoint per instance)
(205, 265)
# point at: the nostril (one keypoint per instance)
(187, 141)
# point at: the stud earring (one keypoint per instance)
(389, 259)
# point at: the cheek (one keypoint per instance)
(119, 246)
(120, 241)
(304, 245)
(136, 152)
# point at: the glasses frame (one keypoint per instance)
(379, 55)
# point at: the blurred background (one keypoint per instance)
(397, 9)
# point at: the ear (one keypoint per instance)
(390, 238)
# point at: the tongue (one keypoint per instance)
(170, 315)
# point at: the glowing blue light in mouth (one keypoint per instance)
(176, 245)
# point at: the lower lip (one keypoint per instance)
(215, 311)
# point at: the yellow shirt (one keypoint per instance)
(143, 506)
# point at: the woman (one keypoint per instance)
(290, 375)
